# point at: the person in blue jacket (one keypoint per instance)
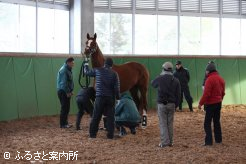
(65, 87)
(126, 114)
(107, 90)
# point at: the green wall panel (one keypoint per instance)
(26, 91)
(228, 69)
(45, 85)
(118, 60)
(28, 84)
(242, 76)
(8, 99)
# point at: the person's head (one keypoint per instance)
(108, 62)
(211, 67)
(178, 64)
(167, 66)
(70, 62)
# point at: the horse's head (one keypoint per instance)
(90, 45)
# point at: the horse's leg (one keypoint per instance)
(143, 104)
(143, 100)
(134, 93)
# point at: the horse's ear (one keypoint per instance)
(95, 36)
(88, 36)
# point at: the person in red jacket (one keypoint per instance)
(214, 92)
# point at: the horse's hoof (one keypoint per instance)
(143, 127)
(144, 122)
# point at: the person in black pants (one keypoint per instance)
(85, 102)
(212, 113)
(65, 87)
(107, 90)
(214, 92)
(182, 74)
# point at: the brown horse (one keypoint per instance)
(133, 76)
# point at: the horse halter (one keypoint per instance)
(91, 50)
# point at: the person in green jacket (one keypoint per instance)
(126, 114)
(65, 88)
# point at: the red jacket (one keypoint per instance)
(214, 90)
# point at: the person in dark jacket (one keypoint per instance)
(107, 90)
(85, 102)
(214, 92)
(65, 87)
(126, 114)
(167, 100)
(182, 74)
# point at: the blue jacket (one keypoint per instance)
(127, 110)
(107, 81)
(65, 79)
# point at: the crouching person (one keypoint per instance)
(126, 114)
(85, 102)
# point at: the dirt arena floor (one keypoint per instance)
(40, 140)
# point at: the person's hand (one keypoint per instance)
(86, 63)
(199, 107)
(117, 102)
(69, 94)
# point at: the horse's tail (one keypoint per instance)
(143, 84)
(145, 75)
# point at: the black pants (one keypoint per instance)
(212, 113)
(186, 92)
(65, 107)
(83, 105)
(103, 105)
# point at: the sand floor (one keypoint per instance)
(39, 138)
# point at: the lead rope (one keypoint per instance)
(82, 74)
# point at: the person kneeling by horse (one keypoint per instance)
(126, 114)
(85, 102)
